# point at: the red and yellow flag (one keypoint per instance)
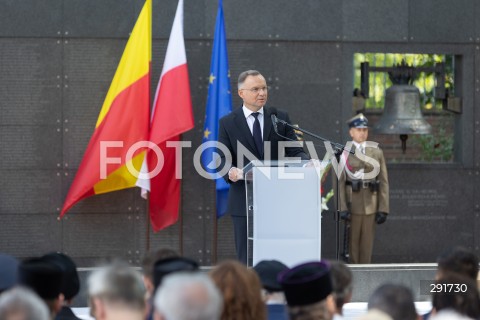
(123, 121)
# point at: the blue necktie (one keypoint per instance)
(257, 134)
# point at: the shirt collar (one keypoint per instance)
(247, 112)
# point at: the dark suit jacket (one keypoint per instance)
(233, 128)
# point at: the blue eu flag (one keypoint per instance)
(219, 104)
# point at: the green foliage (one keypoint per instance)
(438, 146)
(425, 82)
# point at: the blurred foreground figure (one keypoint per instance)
(187, 296)
(116, 292)
(22, 304)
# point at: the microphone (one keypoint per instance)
(274, 120)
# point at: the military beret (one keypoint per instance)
(268, 271)
(307, 283)
(166, 266)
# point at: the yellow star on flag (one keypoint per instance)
(206, 133)
(212, 78)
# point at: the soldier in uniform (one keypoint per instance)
(364, 202)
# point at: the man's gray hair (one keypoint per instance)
(118, 283)
(22, 303)
(244, 75)
(188, 296)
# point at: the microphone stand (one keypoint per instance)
(338, 150)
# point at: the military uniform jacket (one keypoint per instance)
(365, 201)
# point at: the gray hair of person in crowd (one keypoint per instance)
(22, 303)
(117, 285)
(395, 300)
(188, 296)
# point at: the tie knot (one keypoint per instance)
(255, 114)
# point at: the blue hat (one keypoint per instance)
(8, 271)
(307, 283)
(268, 271)
(359, 121)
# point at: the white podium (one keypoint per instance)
(283, 211)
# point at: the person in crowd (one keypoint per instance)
(456, 292)
(241, 291)
(116, 292)
(268, 271)
(8, 272)
(342, 286)
(395, 300)
(70, 283)
(165, 266)
(45, 278)
(22, 304)
(148, 264)
(458, 260)
(363, 200)
(250, 126)
(308, 291)
(188, 296)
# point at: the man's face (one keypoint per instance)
(254, 92)
(359, 135)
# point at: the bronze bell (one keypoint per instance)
(402, 114)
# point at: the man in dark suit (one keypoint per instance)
(251, 126)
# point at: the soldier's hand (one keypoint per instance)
(345, 215)
(380, 217)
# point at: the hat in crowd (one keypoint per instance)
(42, 276)
(268, 271)
(169, 265)
(70, 280)
(8, 271)
(307, 283)
(359, 121)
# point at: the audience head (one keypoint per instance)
(70, 281)
(8, 272)
(148, 264)
(458, 293)
(45, 278)
(22, 304)
(458, 260)
(268, 271)
(241, 291)
(187, 296)
(341, 284)
(172, 264)
(116, 289)
(308, 289)
(395, 300)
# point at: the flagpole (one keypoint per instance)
(148, 226)
(215, 238)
